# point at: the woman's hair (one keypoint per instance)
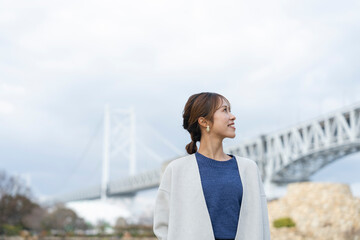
(199, 105)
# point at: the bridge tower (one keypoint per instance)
(119, 137)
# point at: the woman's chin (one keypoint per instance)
(232, 136)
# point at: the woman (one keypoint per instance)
(209, 194)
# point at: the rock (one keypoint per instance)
(321, 211)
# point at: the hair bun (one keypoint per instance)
(191, 147)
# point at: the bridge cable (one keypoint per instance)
(83, 154)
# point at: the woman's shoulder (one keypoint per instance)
(179, 162)
(182, 161)
(245, 162)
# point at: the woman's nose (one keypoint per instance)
(233, 116)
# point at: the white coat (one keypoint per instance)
(180, 209)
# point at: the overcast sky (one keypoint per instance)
(278, 62)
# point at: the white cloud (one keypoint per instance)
(278, 62)
(8, 98)
(6, 108)
(110, 209)
(11, 90)
(100, 210)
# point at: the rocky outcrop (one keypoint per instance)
(321, 211)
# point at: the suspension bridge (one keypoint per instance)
(288, 155)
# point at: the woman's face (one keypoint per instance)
(223, 122)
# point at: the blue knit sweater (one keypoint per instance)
(223, 191)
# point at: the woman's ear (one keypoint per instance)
(203, 122)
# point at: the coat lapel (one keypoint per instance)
(241, 168)
(202, 212)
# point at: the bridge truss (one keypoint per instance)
(288, 155)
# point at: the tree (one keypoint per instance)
(63, 220)
(18, 211)
(121, 222)
(103, 227)
(14, 208)
(35, 220)
(10, 185)
(15, 203)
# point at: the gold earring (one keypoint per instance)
(208, 128)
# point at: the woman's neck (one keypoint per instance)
(212, 149)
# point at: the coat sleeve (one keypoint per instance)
(264, 208)
(162, 210)
(161, 214)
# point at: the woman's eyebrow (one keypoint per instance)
(226, 106)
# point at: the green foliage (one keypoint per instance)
(10, 230)
(102, 226)
(16, 205)
(63, 221)
(284, 222)
(14, 208)
(136, 231)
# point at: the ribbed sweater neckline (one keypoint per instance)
(213, 162)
